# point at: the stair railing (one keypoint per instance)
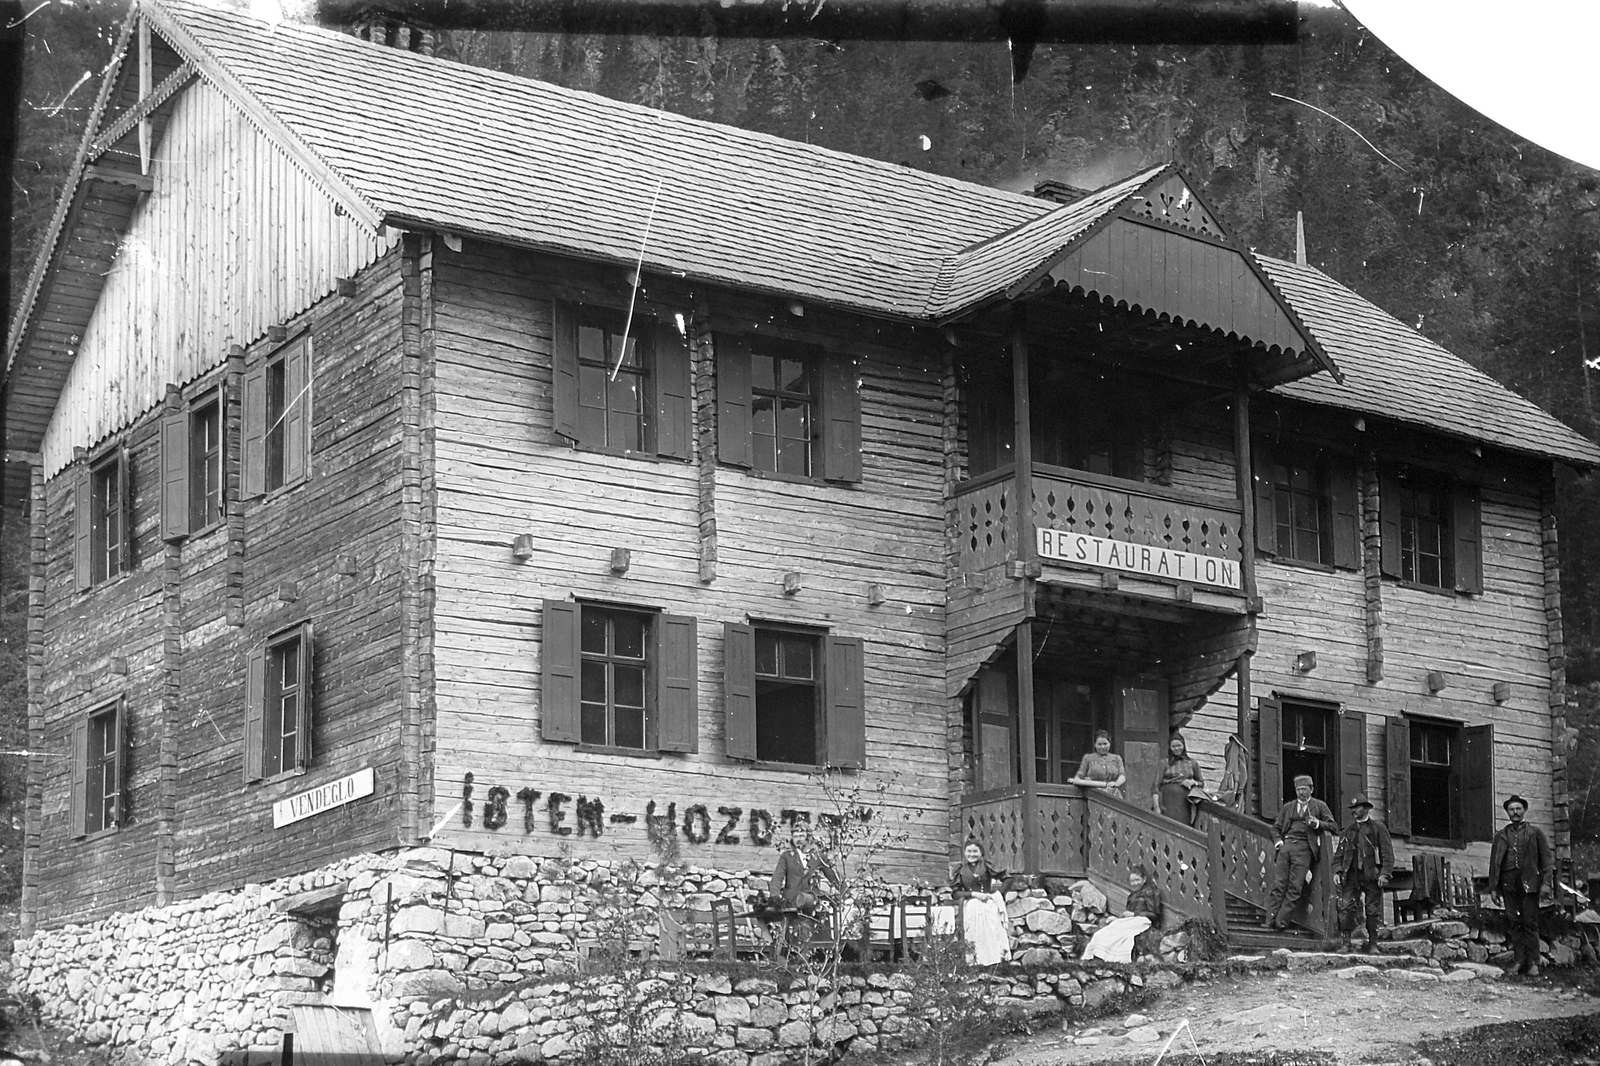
(1242, 866)
(1120, 836)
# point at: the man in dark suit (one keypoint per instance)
(1361, 865)
(1519, 861)
(800, 877)
(1297, 837)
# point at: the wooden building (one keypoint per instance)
(365, 513)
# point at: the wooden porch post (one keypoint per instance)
(1023, 430)
(1247, 545)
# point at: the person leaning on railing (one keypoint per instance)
(1101, 768)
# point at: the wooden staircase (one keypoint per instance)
(1247, 931)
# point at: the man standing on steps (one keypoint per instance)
(1519, 860)
(1361, 866)
(1298, 834)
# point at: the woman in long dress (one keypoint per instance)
(1101, 769)
(976, 887)
(1179, 778)
(1115, 941)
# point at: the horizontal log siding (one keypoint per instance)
(223, 835)
(1475, 640)
(233, 238)
(499, 476)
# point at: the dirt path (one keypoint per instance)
(1368, 1018)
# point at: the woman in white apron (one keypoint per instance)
(976, 886)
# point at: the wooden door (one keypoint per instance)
(1140, 709)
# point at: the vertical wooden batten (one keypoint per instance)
(703, 374)
(33, 813)
(1372, 565)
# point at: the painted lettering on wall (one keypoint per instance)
(1141, 559)
(580, 816)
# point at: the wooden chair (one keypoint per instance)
(915, 921)
(877, 932)
(733, 932)
(686, 932)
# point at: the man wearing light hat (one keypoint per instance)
(1519, 861)
(1361, 865)
(1299, 828)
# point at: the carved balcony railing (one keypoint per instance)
(1206, 531)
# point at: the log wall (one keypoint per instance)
(172, 635)
(500, 474)
(234, 237)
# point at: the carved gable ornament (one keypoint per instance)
(1171, 202)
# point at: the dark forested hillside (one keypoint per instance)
(1486, 243)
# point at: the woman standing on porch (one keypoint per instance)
(1179, 779)
(1101, 769)
(976, 886)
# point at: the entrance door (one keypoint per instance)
(1066, 714)
(1142, 733)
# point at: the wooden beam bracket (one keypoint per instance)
(141, 111)
(139, 181)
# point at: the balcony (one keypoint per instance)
(1101, 532)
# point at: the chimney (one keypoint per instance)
(1059, 191)
(394, 31)
(1299, 238)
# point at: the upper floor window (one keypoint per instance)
(1307, 504)
(1078, 420)
(97, 778)
(191, 466)
(618, 678)
(278, 705)
(102, 516)
(620, 386)
(1431, 530)
(787, 409)
(793, 696)
(277, 419)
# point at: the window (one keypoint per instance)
(619, 386)
(615, 712)
(621, 678)
(788, 697)
(1066, 714)
(1431, 530)
(277, 419)
(97, 779)
(1320, 740)
(787, 409)
(102, 515)
(1307, 505)
(793, 696)
(278, 705)
(1441, 779)
(191, 467)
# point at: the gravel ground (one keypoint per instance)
(1320, 1019)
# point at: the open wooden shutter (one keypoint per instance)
(564, 369)
(255, 712)
(304, 716)
(677, 688)
(733, 400)
(1270, 759)
(1266, 500)
(561, 664)
(1352, 759)
(80, 777)
(846, 725)
(253, 443)
(1398, 763)
(841, 418)
(82, 528)
(1344, 500)
(1389, 525)
(175, 475)
(1477, 783)
(674, 427)
(296, 411)
(739, 689)
(130, 538)
(124, 764)
(1467, 531)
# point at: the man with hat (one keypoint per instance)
(1361, 865)
(1519, 860)
(1298, 832)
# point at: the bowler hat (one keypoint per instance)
(1360, 800)
(1514, 799)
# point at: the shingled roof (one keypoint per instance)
(1395, 372)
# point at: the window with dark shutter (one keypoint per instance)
(276, 442)
(1477, 783)
(841, 418)
(733, 399)
(794, 696)
(1352, 760)
(82, 530)
(788, 409)
(79, 797)
(677, 691)
(558, 672)
(205, 463)
(102, 520)
(103, 782)
(674, 419)
(846, 726)
(739, 689)
(615, 709)
(279, 705)
(619, 386)
(175, 517)
(1265, 480)
(1344, 498)
(1432, 530)
(253, 438)
(1467, 538)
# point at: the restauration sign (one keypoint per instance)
(322, 798)
(1142, 559)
